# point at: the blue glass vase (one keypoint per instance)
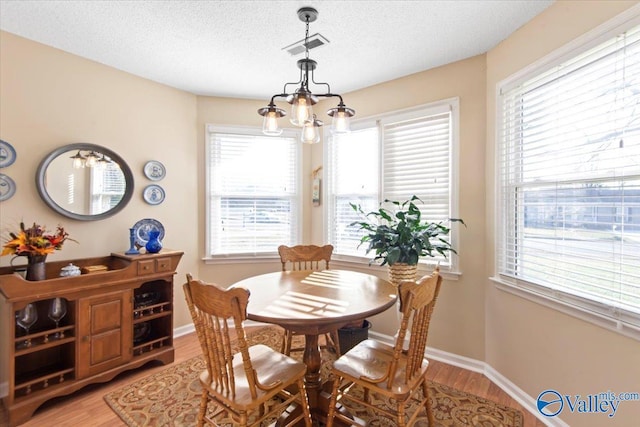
(154, 244)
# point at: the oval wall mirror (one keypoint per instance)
(84, 181)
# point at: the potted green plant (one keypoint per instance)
(400, 237)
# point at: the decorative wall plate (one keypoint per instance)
(154, 170)
(153, 194)
(142, 228)
(7, 154)
(7, 187)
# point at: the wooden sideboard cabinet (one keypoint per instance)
(116, 320)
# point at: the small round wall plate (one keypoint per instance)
(7, 187)
(7, 154)
(154, 170)
(153, 194)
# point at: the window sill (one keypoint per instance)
(363, 263)
(241, 259)
(568, 308)
(340, 261)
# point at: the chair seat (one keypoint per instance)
(371, 359)
(271, 366)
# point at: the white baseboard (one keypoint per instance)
(456, 360)
(183, 330)
(520, 396)
(187, 329)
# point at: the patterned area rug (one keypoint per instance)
(170, 398)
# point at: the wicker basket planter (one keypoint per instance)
(401, 271)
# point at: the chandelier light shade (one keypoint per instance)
(78, 160)
(271, 114)
(302, 99)
(91, 159)
(311, 131)
(341, 118)
(301, 107)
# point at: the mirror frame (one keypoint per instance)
(44, 164)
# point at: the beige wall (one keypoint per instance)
(458, 307)
(49, 98)
(535, 347)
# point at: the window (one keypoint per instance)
(107, 185)
(253, 202)
(569, 176)
(393, 157)
(352, 182)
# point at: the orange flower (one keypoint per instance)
(33, 241)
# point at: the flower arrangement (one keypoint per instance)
(35, 241)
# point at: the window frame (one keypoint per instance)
(587, 309)
(451, 272)
(240, 258)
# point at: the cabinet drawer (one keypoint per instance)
(147, 266)
(150, 266)
(163, 265)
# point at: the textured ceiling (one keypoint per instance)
(233, 48)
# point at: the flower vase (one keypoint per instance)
(154, 244)
(36, 267)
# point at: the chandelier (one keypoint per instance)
(89, 160)
(302, 100)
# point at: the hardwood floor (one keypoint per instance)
(87, 407)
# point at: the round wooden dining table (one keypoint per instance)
(313, 303)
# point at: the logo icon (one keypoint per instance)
(550, 403)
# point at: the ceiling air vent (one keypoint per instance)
(316, 40)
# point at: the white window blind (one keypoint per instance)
(354, 178)
(417, 161)
(253, 191)
(403, 154)
(569, 174)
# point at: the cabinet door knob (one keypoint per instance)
(85, 338)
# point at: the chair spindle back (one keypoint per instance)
(305, 257)
(417, 301)
(212, 308)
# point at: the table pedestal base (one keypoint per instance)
(318, 393)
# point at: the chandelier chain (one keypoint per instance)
(306, 40)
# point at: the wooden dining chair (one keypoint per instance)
(400, 376)
(307, 257)
(240, 383)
